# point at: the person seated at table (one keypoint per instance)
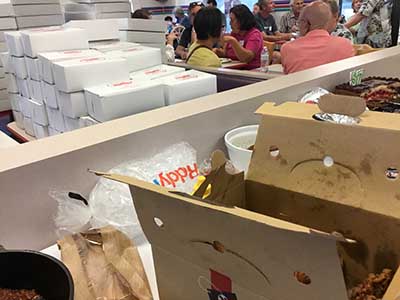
(181, 17)
(374, 17)
(188, 36)
(267, 25)
(336, 28)
(141, 14)
(256, 9)
(289, 21)
(316, 46)
(208, 28)
(355, 5)
(245, 42)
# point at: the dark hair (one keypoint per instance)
(168, 19)
(262, 3)
(194, 4)
(213, 2)
(208, 23)
(244, 16)
(141, 14)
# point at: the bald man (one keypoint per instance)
(316, 46)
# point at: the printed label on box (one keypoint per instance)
(169, 179)
(92, 59)
(186, 77)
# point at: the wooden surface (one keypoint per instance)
(19, 133)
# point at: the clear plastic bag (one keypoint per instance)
(110, 202)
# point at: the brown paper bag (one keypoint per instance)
(105, 265)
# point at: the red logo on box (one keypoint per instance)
(221, 287)
(131, 49)
(124, 83)
(186, 77)
(72, 52)
(154, 72)
(91, 59)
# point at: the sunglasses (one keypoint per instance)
(194, 4)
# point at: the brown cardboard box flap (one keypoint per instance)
(215, 249)
(236, 211)
(351, 165)
(302, 111)
(393, 292)
(343, 105)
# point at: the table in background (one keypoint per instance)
(19, 134)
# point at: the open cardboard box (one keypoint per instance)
(295, 213)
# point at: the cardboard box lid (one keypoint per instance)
(68, 54)
(185, 77)
(156, 72)
(6, 8)
(122, 87)
(88, 61)
(8, 23)
(142, 25)
(20, 2)
(111, 45)
(97, 30)
(97, 7)
(37, 10)
(39, 21)
(362, 160)
(260, 257)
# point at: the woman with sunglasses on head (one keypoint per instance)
(208, 28)
(245, 42)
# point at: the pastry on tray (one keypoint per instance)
(380, 93)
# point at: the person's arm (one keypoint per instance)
(221, 52)
(354, 20)
(183, 44)
(169, 48)
(242, 54)
(278, 36)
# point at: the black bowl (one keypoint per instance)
(34, 270)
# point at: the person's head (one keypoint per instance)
(297, 6)
(179, 12)
(141, 14)
(316, 15)
(256, 9)
(266, 7)
(241, 18)
(212, 3)
(168, 19)
(355, 5)
(194, 8)
(335, 14)
(208, 24)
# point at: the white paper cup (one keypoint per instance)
(238, 141)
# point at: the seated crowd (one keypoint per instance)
(308, 35)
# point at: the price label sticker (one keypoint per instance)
(356, 77)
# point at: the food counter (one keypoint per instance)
(29, 171)
(229, 76)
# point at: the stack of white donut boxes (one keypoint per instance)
(7, 23)
(43, 106)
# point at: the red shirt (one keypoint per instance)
(314, 49)
(252, 41)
